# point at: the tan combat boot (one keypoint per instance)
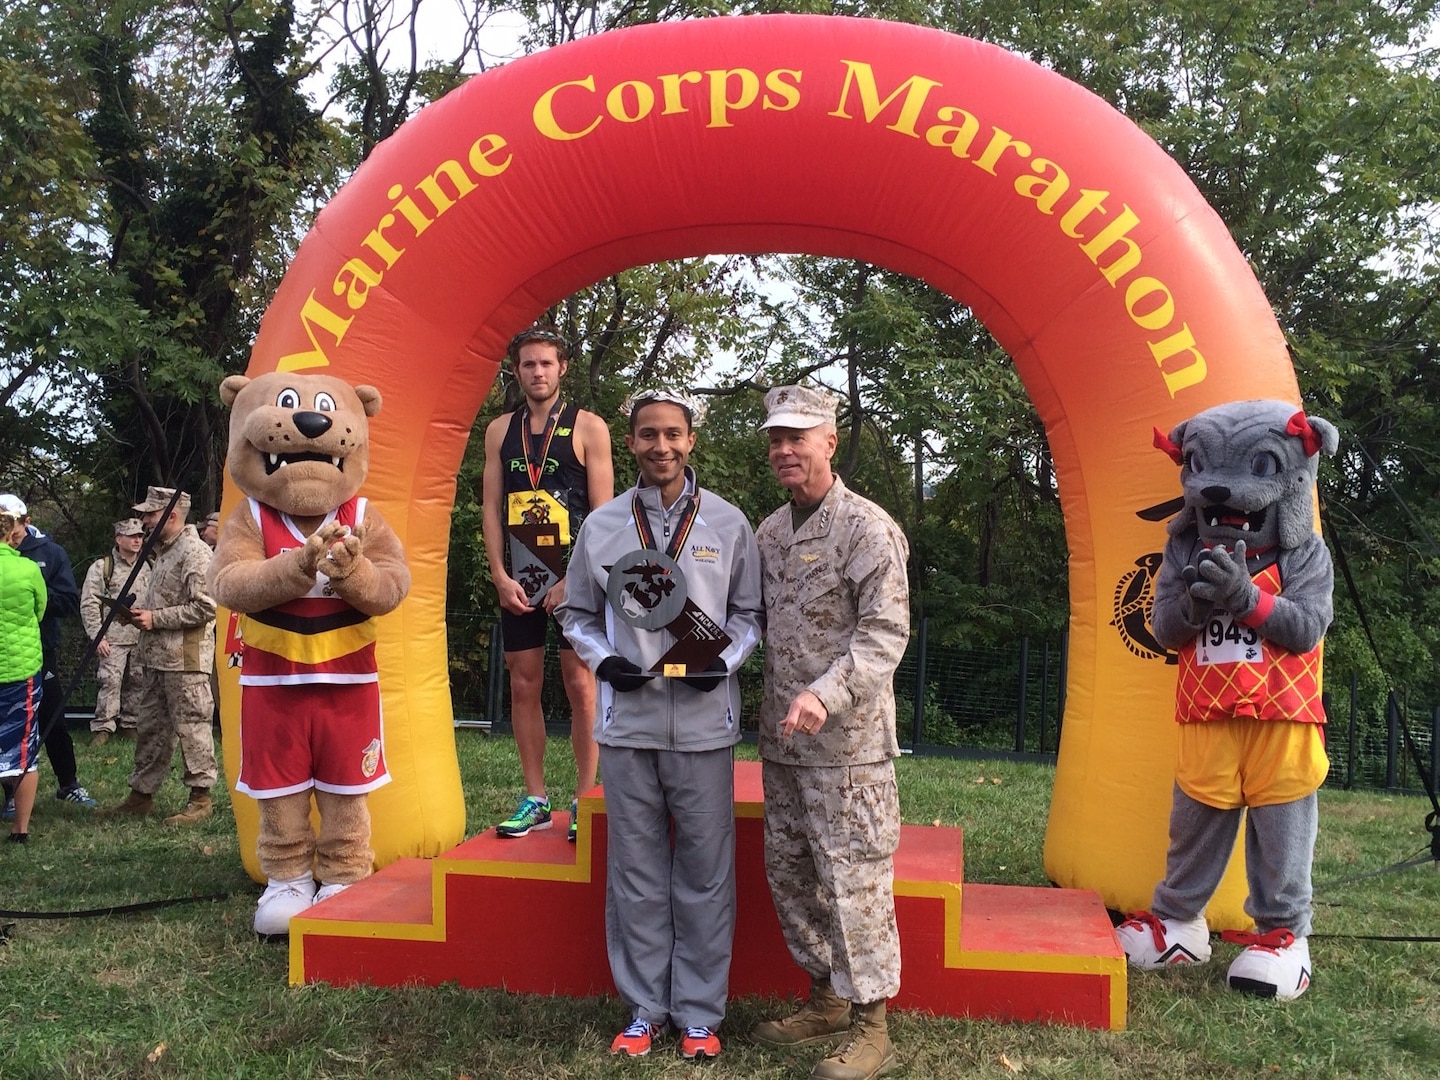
(100, 738)
(866, 1054)
(197, 809)
(136, 804)
(824, 1017)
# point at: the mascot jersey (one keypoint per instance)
(1228, 670)
(318, 638)
(543, 479)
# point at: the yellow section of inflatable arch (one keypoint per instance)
(1086, 251)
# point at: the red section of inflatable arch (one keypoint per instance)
(1085, 250)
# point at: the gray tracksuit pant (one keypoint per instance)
(670, 881)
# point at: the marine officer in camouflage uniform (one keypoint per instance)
(116, 670)
(176, 617)
(837, 613)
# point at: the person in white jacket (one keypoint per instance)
(667, 572)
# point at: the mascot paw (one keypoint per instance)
(280, 902)
(1202, 599)
(312, 554)
(342, 557)
(1274, 964)
(1221, 577)
(1152, 943)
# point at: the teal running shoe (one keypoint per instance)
(532, 813)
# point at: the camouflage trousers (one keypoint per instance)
(175, 707)
(830, 837)
(119, 676)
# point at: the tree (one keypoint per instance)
(57, 304)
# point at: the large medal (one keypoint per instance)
(647, 589)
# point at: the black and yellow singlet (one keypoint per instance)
(543, 480)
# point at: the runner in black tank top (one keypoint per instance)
(562, 477)
(538, 487)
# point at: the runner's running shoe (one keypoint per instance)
(532, 813)
(699, 1042)
(636, 1039)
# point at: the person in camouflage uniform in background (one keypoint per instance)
(117, 671)
(176, 617)
(837, 613)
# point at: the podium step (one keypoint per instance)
(528, 915)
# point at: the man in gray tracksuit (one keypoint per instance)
(666, 742)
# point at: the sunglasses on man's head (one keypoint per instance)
(527, 336)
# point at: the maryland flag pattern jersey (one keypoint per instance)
(1229, 671)
(318, 638)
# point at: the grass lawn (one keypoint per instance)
(186, 991)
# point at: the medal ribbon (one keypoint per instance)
(682, 530)
(537, 471)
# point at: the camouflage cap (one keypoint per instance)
(799, 407)
(129, 527)
(158, 498)
(694, 408)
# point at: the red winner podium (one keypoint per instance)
(1005, 952)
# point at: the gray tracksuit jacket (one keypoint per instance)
(722, 573)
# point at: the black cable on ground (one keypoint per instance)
(114, 909)
(1418, 860)
(1375, 937)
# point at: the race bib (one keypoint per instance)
(1224, 641)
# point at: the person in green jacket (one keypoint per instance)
(22, 604)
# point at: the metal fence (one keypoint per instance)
(989, 702)
(984, 702)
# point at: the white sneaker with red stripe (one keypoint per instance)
(1274, 964)
(1152, 943)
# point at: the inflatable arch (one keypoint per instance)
(1086, 251)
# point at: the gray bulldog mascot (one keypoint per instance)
(1243, 596)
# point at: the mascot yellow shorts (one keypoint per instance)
(1243, 762)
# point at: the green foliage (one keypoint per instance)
(55, 303)
(181, 152)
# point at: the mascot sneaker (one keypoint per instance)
(1274, 964)
(327, 891)
(1152, 943)
(281, 901)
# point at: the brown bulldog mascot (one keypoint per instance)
(308, 565)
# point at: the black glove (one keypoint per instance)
(624, 675)
(705, 682)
